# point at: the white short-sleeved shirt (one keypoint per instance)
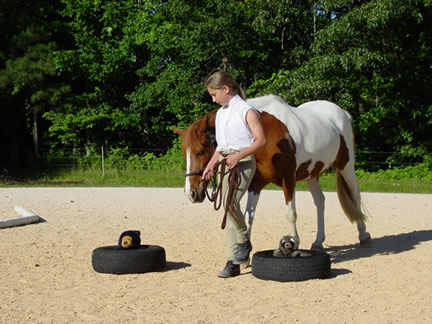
(232, 131)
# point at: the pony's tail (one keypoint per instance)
(350, 203)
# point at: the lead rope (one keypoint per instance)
(234, 180)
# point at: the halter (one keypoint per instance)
(195, 173)
(213, 181)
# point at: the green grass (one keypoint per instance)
(91, 177)
(154, 178)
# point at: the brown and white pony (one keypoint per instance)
(301, 144)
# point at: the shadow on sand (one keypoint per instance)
(391, 244)
(176, 265)
(386, 245)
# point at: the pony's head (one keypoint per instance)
(198, 146)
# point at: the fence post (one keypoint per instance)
(103, 164)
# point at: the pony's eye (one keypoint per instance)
(200, 153)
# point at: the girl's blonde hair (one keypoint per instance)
(218, 79)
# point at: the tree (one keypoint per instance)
(101, 63)
(374, 61)
(123, 73)
(28, 80)
(188, 40)
(139, 67)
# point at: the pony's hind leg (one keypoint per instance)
(349, 197)
(249, 214)
(364, 237)
(319, 201)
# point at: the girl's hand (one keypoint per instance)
(232, 160)
(208, 173)
(209, 170)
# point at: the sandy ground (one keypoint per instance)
(47, 276)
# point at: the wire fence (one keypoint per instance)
(384, 160)
(98, 164)
(71, 157)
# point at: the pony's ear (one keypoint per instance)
(179, 131)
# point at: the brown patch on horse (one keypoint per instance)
(341, 160)
(286, 162)
(318, 169)
(342, 157)
(276, 162)
(303, 173)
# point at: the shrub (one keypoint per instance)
(420, 172)
(172, 160)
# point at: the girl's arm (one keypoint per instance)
(209, 171)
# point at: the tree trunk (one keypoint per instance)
(35, 134)
(315, 12)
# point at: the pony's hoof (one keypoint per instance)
(366, 242)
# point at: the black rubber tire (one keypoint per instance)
(146, 258)
(309, 265)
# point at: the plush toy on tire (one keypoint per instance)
(287, 263)
(129, 256)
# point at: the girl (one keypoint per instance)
(239, 134)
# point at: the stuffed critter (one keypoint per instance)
(129, 240)
(288, 247)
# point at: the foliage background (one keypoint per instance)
(121, 74)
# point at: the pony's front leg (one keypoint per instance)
(319, 201)
(292, 217)
(249, 214)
